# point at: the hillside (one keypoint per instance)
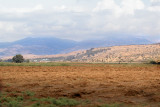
(50, 46)
(115, 54)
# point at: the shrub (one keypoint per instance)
(153, 62)
(27, 60)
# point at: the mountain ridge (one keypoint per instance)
(51, 45)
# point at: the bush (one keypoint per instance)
(27, 61)
(18, 58)
(153, 62)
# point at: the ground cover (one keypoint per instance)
(82, 84)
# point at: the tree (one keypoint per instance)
(18, 58)
(8, 60)
(27, 60)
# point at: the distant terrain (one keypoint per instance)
(50, 46)
(114, 54)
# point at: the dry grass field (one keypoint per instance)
(130, 84)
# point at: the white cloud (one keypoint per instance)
(155, 5)
(155, 2)
(106, 4)
(10, 31)
(78, 19)
(21, 10)
(126, 7)
(130, 6)
(64, 8)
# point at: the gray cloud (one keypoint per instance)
(78, 19)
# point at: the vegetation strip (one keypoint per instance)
(28, 99)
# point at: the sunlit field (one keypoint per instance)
(79, 84)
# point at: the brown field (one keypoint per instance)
(108, 83)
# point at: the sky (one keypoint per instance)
(79, 19)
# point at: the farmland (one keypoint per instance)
(84, 84)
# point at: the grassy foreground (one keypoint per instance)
(34, 64)
(71, 64)
(63, 78)
(28, 99)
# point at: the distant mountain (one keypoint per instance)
(49, 46)
(113, 41)
(39, 46)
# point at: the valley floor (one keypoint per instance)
(129, 84)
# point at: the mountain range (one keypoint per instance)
(51, 45)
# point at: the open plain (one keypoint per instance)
(130, 84)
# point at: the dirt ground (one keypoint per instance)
(128, 84)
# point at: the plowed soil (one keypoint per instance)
(130, 84)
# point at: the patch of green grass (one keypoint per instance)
(35, 64)
(37, 104)
(64, 102)
(29, 93)
(13, 103)
(34, 99)
(28, 99)
(10, 102)
(20, 100)
(73, 64)
(8, 85)
(76, 64)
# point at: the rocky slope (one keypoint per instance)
(115, 54)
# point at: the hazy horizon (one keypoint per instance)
(79, 19)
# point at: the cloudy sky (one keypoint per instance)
(79, 19)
